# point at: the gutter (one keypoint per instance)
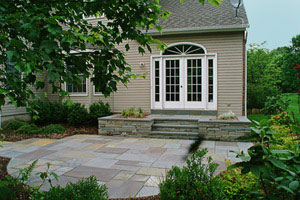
(174, 31)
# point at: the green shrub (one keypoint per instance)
(239, 186)
(43, 112)
(14, 125)
(99, 109)
(196, 181)
(275, 105)
(78, 114)
(53, 128)
(281, 119)
(84, 189)
(28, 129)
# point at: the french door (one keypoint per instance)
(184, 83)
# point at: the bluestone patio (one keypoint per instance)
(128, 166)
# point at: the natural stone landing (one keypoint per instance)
(130, 167)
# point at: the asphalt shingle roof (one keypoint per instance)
(191, 14)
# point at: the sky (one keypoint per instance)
(273, 21)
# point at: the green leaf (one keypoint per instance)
(54, 29)
(49, 46)
(11, 55)
(277, 163)
(127, 47)
(294, 185)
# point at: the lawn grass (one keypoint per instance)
(293, 106)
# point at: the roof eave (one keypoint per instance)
(174, 31)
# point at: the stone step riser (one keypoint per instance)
(176, 129)
(176, 122)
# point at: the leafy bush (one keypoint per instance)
(239, 186)
(84, 189)
(281, 119)
(227, 115)
(277, 169)
(99, 109)
(44, 112)
(28, 129)
(78, 114)
(14, 125)
(196, 181)
(275, 105)
(53, 128)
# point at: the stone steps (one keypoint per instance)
(175, 128)
(174, 135)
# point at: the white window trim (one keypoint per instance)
(79, 94)
(96, 94)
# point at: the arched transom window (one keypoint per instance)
(183, 49)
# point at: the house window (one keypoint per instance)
(157, 81)
(81, 88)
(210, 80)
(184, 49)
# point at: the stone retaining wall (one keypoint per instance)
(112, 125)
(224, 130)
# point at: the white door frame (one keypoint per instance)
(183, 104)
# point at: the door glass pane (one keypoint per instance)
(172, 80)
(194, 80)
(210, 80)
(157, 81)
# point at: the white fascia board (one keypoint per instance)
(197, 30)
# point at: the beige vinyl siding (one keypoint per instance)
(229, 49)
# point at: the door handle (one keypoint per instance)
(181, 86)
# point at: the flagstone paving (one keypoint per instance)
(129, 167)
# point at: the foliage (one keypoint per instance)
(14, 125)
(284, 138)
(278, 170)
(239, 186)
(99, 109)
(77, 115)
(15, 186)
(28, 129)
(39, 36)
(131, 112)
(140, 113)
(263, 76)
(84, 189)
(290, 59)
(195, 181)
(227, 115)
(281, 119)
(275, 105)
(43, 112)
(52, 128)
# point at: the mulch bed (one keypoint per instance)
(24, 195)
(10, 136)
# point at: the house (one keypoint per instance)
(203, 70)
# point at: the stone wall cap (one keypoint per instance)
(241, 120)
(115, 118)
